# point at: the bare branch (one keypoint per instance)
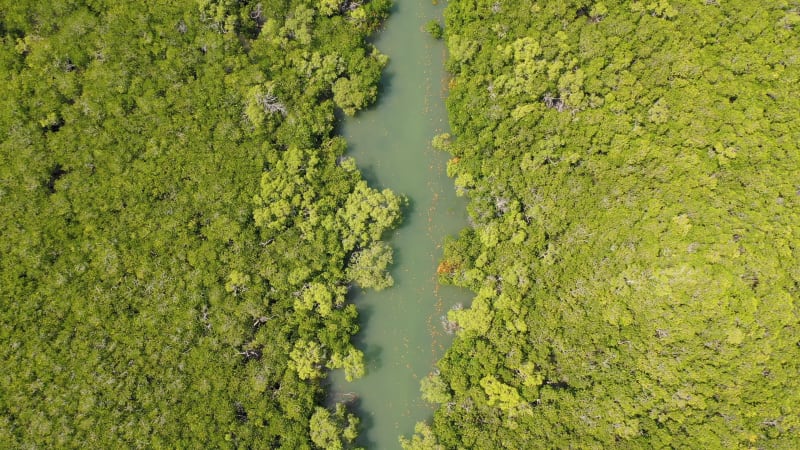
(270, 103)
(255, 14)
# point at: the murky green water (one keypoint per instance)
(401, 333)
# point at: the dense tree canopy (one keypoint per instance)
(632, 175)
(173, 268)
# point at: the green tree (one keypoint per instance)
(333, 430)
(367, 214)
(434, 28)
(368, 267)
(171, 187)
(307, 359)
(318, 296)
(423, 439)
(434, 389)
(596, 162)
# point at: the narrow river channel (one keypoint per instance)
(401, 333)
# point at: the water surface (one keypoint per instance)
(401, 333)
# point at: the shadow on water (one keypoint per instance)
(372, 352)
(384, 87)
(408, 211)
(397, 264)
(368, 174)
(391, 147)
(354, 406)
(376, 36)
(367, 422)
(372, 361)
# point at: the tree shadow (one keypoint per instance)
(369, 174)
(385, 82)
(384, 88)
(372, 352)
(407, 212)
(367, 423)
(355, 406)
(372, 361)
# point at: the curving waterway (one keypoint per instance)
(401, 333)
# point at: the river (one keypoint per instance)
(401, 333)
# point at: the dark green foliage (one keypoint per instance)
(434, 28)
(632, 170)
(332, 430)
(173, 267)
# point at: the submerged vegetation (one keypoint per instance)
(179, 224)
(632, 175)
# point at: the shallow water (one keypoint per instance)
(401, 333)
